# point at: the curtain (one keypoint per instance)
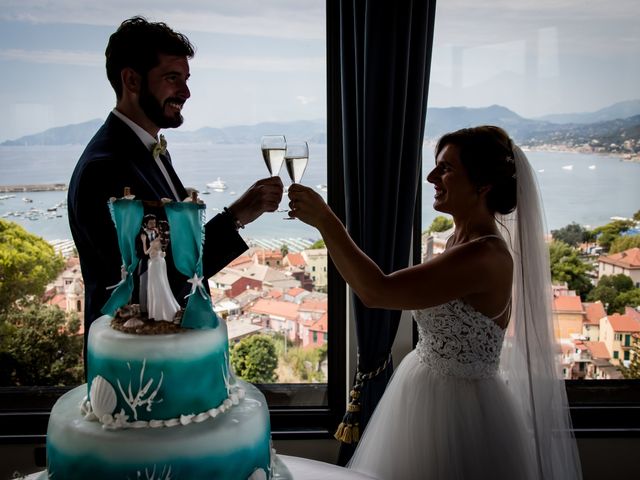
(385, 54)
(127, 217)
(186, 227)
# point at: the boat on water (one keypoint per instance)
(568, 167)
(217, 185)
(592, 167)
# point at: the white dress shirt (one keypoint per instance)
(147, 139)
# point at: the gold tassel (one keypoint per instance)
(349, 429)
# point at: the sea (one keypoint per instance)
(588, 189)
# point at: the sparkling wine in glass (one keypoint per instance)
(273, 148)
(296, 158)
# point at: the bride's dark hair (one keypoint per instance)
(486, 152)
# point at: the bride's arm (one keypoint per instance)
(458, 272)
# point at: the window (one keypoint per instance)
(246, 81)
(527, 63)
(616, 354)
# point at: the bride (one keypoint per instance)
(480, 396)
(161, 303)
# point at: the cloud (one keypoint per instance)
(200, 61)
(276, 19)
(260, 63)
(58, 57)
(305, 100)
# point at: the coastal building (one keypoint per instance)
(593, 311)
(625, 263)
(434, 243)
(568, 316)
(616, 332)
(277, 315)
(316, 267)
(67, 290)
(270, 258)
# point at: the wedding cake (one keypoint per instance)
(161, 401)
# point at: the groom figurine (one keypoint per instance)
(148, 234)
(148, 67)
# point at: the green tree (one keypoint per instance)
(636, 216)
(440, 224)
(625, 242)
(307, 362)
(615, 292)
(317, 245)
(39, 345)
(567, 266)
(254, 359)
(284, 250)
(606, 234)
(630, 298)
(606, 294)
(27, 264)
(573, 234)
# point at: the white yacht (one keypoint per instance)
(217, 185)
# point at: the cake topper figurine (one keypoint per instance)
(154, 237)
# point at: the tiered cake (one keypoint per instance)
(165, 405)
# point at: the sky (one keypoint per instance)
(264, 60)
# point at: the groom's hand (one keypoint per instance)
(263, 196)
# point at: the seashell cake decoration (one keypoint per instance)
(103, 397)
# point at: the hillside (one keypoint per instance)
(612, 135)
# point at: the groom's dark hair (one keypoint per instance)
(137, 43)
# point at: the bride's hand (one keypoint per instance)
(307, 205)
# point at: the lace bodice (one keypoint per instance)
(457, 340)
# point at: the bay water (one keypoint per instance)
(587, 189)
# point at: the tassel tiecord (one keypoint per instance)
(349, 429)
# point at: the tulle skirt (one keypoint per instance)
(161, 303)
(430, 426)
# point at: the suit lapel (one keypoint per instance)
(147, 171)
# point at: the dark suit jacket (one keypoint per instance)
(116, 158)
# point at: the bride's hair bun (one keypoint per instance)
(486, 152)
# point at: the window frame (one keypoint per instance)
(601, 408)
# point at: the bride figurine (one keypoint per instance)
(161, 304)
(481, 396)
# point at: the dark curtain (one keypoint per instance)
(385, 54)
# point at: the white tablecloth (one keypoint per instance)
(305, 469)
(300, 468)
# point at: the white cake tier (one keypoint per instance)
(233, 445)
(157, 377)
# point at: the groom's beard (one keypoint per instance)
(154, 110)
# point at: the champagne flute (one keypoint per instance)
(296, 158)
(273, 148)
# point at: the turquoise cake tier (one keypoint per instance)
(157, 377)
(233, 445)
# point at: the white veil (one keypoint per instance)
(530, 356)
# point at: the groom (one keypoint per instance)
(148, 234)
(148, 68)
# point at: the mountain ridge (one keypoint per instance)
(607, 131)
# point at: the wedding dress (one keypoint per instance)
(446, 414)
(474, 401)
(162, 305)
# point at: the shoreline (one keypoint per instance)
(625, 157)
(34, 187)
